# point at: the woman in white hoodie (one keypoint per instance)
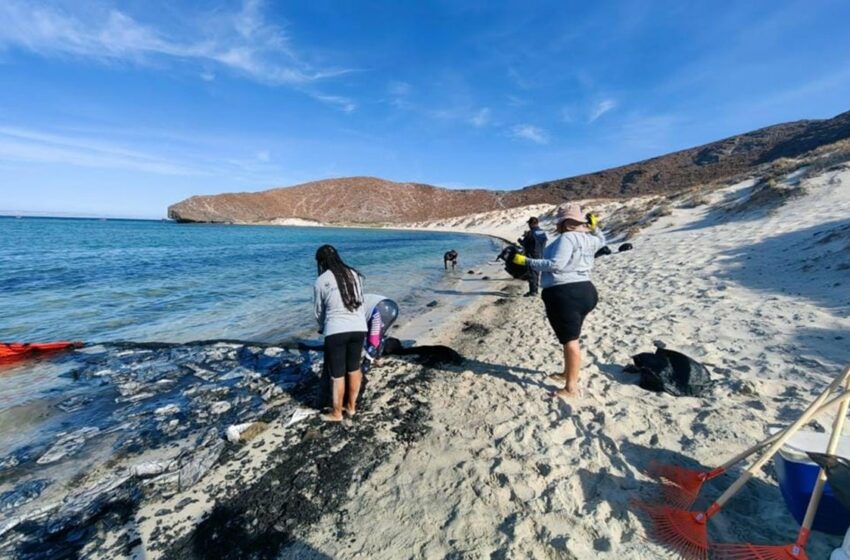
(568, 293)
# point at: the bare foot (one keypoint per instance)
(557, 377)
(350, 411)
(567, 394)
(331, 418)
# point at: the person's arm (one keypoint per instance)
(318, 307)
(600, 237)
(373, 339)
(558, 261)
(595, 230)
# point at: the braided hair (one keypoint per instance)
(327, 258)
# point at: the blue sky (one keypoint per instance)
(122, 108)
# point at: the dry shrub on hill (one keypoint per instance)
(699, 197)
(768, 194)
(829, 158)
(629, 220)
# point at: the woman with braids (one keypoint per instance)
(338, 300)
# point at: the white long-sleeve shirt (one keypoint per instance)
(332, 315)
(569, 258)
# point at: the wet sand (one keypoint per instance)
(478, 461)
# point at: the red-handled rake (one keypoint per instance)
(686, 532)
(682, 485)
(797, 550)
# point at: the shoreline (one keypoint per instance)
(481, 452)
(406, 227)
(394, 415)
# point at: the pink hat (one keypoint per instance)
(571, 212)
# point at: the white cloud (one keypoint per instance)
(163, 153)
(343, 103)
(530, 132)
(243, 42)
(32, 146)
(481, 118)
(600, 108)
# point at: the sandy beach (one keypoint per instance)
(478, 460)
(259, 294)
(508, 472)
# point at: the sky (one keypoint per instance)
(122, 108)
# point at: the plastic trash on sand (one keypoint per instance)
(300, 414)
(671, 372)
(235, 431)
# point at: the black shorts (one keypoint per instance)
(566, 307)
(343, 352)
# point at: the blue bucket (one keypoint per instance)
(797, 476)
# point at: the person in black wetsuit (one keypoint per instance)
(450, 257)
(533, 242)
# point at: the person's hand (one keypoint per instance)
(592, 220)
(519, 259)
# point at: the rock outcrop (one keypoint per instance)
(347, 200)
(369, 200)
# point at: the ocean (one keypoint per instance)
(96, 280)
(136, 293)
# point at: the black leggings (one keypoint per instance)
(343, 351)
(566, 307)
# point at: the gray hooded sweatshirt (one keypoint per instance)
(331, 313)
(569, 258)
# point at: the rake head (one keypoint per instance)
(758, 552)
(681, 485)
(680, 531)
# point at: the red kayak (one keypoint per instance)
(15, 351)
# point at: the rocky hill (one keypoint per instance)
(348, 200)
(715, 162)
(369, 200)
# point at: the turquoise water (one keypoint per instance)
(66, 416)
(95, 280)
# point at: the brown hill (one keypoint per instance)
(362, 200)
(676, 171)
(367, 200)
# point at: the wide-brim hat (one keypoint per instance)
(571, 212)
